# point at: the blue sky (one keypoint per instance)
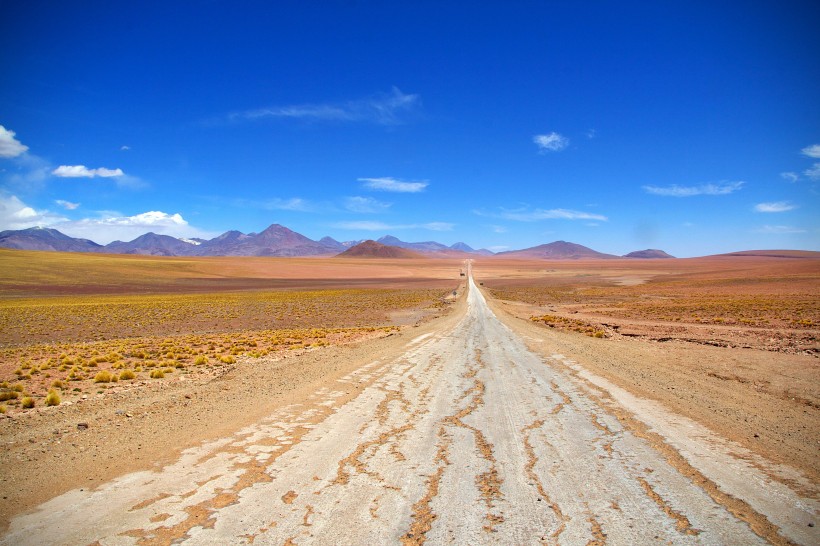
(693, 127)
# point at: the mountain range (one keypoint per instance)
(277, 240)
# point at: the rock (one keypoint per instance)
(82, 426)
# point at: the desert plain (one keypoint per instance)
(111, 365)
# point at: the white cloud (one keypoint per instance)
(813, 172)
(780, 230)
(14, 214)
(723, 188)
(592, 133)
(81, 171)
(499, 229)
(551, 142)
(790, 176)
(778, 206)
(365, 205)
(125, 147)
(812, 151)
(110, 227)
(393, 185)
(67, 205)
(382, 108)
(367, 225)
(536, 215)
(10, 146)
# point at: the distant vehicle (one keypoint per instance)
(461, 273)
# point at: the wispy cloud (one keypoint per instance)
(14, 214)
(790, 176)
(393, 185)
(294, 203)
(67, 205)
(550, 142)
(779, 230)
(366, 225)
(365, 205)
(813, 172)
(81, 171)
(722, 188)
(383, 109)
(10, 146)
(537, 215)
(125, 147)
(812, 151)
(777, 206)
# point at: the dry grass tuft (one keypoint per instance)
(52, 398)
(103, 377)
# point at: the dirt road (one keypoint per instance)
(466, 437)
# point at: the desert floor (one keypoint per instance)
(727, 344)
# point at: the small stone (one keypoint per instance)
(82, 426)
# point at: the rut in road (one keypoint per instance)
(466, 438)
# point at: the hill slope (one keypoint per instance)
(649, 253)
(557, 250)
(38, 238)
(373, 249)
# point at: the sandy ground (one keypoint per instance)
(463, 430)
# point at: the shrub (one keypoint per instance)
(227, 359)
(103, 377)
(8, 395)
(52, 398)
(157, 374)
(57, 384)
(126, 374)
(2, 409)
(27, 402)
(200, 360)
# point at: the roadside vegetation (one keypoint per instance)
(58, 348)
(774, 312)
